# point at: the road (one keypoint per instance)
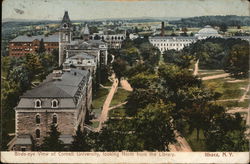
(104, 115)
(181, 145)
(125, 85)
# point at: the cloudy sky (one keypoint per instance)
(96, 9)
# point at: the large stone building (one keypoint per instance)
(24, 44)
(63, 99)
(69, 47)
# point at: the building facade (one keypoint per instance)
(63, 99)
(22, 45)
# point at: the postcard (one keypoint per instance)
(125, 81)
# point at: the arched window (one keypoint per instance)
(38, 119)
(54, 119)
(37, 133)
(54, 103)
(38, 103)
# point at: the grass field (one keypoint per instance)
(95, 124)
(99, 97)
(117, 112)
(119, 97)
(228, 90)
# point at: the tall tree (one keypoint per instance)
(52, 142)
(80, 141)
(119, 67)
(41, 48)
(237, 62)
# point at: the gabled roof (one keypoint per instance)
(85, 30)
(25, 38)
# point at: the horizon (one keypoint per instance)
(53, 10)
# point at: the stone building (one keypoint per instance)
(63, 99)
(24, 44)
(70, 46)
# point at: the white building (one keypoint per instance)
(169, 43)
(179, 42)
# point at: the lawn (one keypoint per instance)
(119, 97)
(95, 124)
(99, 97)
(228, 90)
(117, 112)
(231, 104)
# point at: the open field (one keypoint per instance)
(119, 97)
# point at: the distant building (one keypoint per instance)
(165, 43)
(113, 40)
(69, 47)
(133, 36)
(207, 32)
(24, 44)
(62, 99)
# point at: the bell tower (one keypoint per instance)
(65, 37)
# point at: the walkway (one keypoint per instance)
(104, 115)
(181, 145)
(125, 85)
(215, 76)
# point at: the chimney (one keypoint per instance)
(162, 29)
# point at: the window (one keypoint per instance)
(23, 148)
(54, 103)
(38, 103)
(37, 133)
(38, 119)
(54, 119)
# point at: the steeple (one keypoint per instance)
(66, 21)
(85, 32)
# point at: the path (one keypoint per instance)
(103, 117)
(181, 145)
(245, 94)
(215, 76)
(125, 85)
(196, 68)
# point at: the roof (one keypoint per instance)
(23, 140)
(82, 55)
(66, 18)
(25, 38)
(208, 30)
(64, 88)
(172, 37)
(85, 30)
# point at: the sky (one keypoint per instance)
(99, 9)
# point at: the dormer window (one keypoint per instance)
(38, 103)
(54, 103)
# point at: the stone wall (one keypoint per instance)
(26, 123)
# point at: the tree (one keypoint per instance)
(223, 27)
(237, 62)
(119, 67)
(150, 54)
(105, 73)
(153, 122)
(226, 133)
(41, 48)
(80, 141)
(52, 142)
(33, 65)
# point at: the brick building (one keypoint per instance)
(62, 99)
(24, 44)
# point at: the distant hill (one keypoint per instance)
(229, 20)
